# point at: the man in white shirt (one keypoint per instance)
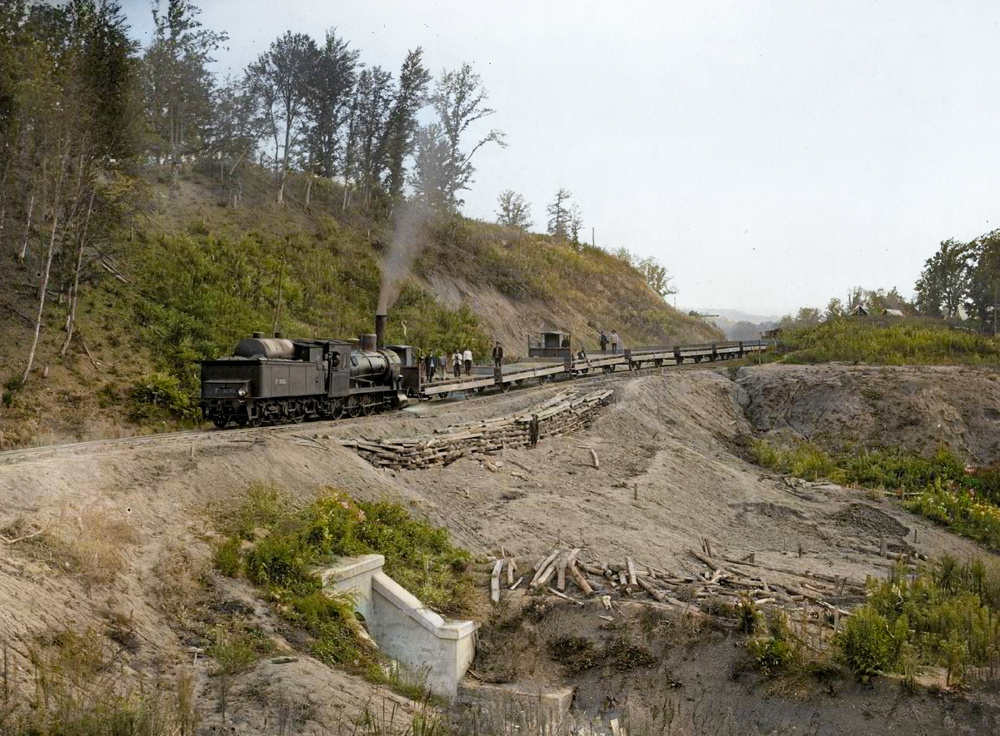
(456, 364)
(614, 342)
(467, 357)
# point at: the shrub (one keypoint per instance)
(227, 557)
(236, 649)
(866, 644)
(770, 656)
(159, 396)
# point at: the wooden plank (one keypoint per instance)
(495, 581)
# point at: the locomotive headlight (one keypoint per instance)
(242, 392)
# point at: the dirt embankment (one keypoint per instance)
(511, 321)
(913, 406)
(133, 535)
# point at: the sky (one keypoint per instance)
(770, 154)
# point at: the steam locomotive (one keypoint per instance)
(277, 381)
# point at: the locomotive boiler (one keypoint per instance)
(276, 380)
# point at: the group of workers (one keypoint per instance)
(614, 340)
(437, 365)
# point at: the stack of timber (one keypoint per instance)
(569, 575)
(566, 412)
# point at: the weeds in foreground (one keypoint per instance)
(81, 690)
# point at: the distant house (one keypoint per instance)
(893, 313)
(859, 311)
(772, 334)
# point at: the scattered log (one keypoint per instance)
(580, 580)
(593, 457)
(495, 581)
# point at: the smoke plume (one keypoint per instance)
(408, 240)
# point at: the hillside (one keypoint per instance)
(201, 265)
(126, 561)
(888, 341)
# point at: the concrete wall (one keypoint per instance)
(402, 627)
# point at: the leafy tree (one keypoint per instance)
(430, 164)
(984, 286)
(559, 215)
(514, 211)
(282, 76)
(328, 103)
(239, 125)
(373, 100)
(401, 126)
(459, 100)
(656, 276)
(834, 309)
(176, 81)
(945, 280)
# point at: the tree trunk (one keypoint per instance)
(48, 268)
(75, 290)
(27, 230)
(309, 186)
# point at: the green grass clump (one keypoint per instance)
(289, 545)
(967, 500)
(777, 651)
(227, 557)
(236, 649)
(888, 341)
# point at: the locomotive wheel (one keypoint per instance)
(220, 422)
(241, 421)
(354, 411)
(254, 422)
(505, 387)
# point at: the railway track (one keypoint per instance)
(193, 436)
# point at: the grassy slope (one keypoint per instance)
(889, 341)
(200, 274)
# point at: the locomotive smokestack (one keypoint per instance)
(380, 320)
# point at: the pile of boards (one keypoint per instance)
(565, 412)
(726, 580)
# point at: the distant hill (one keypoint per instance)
(738, 325)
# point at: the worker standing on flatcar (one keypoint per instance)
(429, 366)
(443, 365)
(614, 342)
(456, 364)
(533, 431)
(467, 357)
(497, 355)
(604, 343)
